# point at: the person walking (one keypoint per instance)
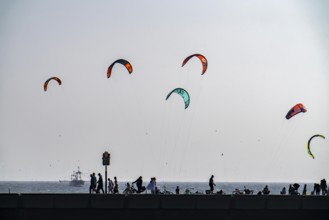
(100, 184)
(323, 185)
(317, 189)
(211, 184)
(290, 190)
(116, 186)
(151, 186)
(91, 187)
(304, 190)
(111, 185)
(93, 182)
(139, 184)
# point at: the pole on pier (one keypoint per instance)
(105, 179)
(106, 162)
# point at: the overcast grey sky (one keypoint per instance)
(264, 57)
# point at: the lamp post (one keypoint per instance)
(106, 162)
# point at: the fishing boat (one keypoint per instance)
(76, 179)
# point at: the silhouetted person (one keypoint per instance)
(116, 186)
(156, 191)
(94, 181)
(128, 190)
(177, 190)
(211, 184)
(247, 191)
(323, 185)
(304, 190)
(92, 187)
(295, 189)
(317, 188)
(111, 185)
(100, 184)
(151, 186)
(283, 191)
(266, 191)
(139, 184)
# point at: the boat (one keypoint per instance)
(76, 179)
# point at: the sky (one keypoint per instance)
(263, 58)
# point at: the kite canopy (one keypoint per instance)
(295, 110)
(201, 58)
(183, 93)
(309, 144)
(45, 85)
(123, 62)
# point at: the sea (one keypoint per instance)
(185, 187)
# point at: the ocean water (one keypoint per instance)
(193, 187)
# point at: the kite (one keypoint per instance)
(123, 62)
(201, 58)
(309, 142)
(295, 110)
(183, 93)
(52, 78)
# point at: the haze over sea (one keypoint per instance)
(64, 187)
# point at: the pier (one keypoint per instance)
(99, 206)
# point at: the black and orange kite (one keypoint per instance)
(45, 85)
(298, 108)
(201, 58)
(123, 62)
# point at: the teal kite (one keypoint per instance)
(183, 93)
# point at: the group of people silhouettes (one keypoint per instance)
(140, 188)
(96, 186)
(317, 189)
(320, 188)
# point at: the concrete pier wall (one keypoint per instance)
(85, 206)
